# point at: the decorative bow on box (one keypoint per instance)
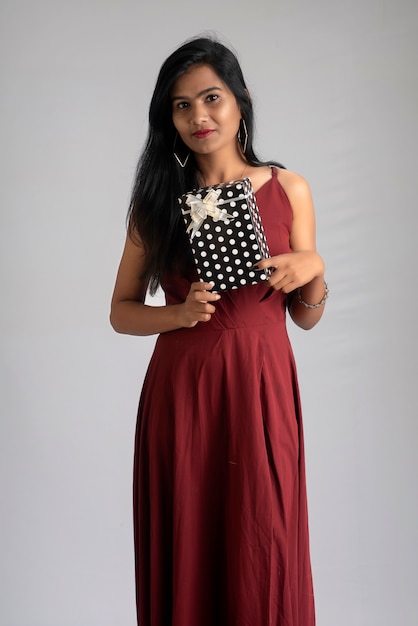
(201, 209)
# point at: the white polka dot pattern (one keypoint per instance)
(230, 238)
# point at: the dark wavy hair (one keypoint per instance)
(154, 211)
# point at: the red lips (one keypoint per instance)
(202, 134)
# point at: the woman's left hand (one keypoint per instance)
(293, 269)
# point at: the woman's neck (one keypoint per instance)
(214, 170)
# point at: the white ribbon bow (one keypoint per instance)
(200, 209)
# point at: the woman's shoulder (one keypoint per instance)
(291, 179)
(295, 185)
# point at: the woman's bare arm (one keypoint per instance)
(303, 267)
(130, 315)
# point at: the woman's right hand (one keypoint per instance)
(197, 307)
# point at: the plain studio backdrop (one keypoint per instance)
(335, 89)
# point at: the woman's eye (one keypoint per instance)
(182, 105)
(212, 97)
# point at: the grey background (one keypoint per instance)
(336, 95)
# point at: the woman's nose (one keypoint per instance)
(198, 113)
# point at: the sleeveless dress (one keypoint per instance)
(220, 509)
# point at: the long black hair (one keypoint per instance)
(154, 211)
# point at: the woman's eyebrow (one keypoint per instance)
(201, 93)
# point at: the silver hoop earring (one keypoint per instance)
(176, 156)
(243, 140)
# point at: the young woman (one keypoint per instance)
(221, 529)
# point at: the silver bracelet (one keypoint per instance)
(313, 306)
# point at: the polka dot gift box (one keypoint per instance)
(226, 234)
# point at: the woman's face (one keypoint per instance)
(205, 112)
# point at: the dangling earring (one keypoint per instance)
(176, 156)
(243, 140)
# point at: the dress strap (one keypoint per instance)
(273, 171)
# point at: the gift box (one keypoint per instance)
(226, 234)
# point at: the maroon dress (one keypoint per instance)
(220, 513)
